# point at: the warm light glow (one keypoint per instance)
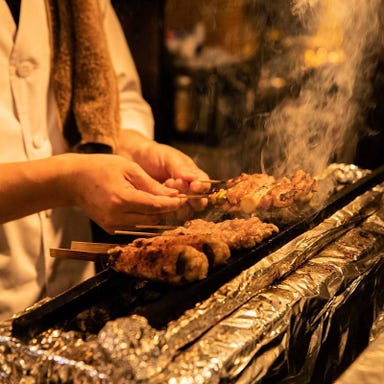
(314, 58)
(325, 45)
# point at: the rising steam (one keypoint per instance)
(319, 125)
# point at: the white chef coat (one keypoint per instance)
(29, 130)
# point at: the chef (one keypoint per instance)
(75, 144)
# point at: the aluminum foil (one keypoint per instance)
(274, 322)
(344, 174)
(228, 348)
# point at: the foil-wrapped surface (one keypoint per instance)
(344, 174)
(301, 314)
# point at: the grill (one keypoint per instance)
(109, 295)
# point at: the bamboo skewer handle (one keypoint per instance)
(64, 253)
(92, 247)
(135, 233)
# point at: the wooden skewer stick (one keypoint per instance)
(91, 247)
(64, 253)
(135, 233)
(193, 196)
(158, 226)
(211, 181)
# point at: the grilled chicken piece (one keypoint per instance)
(238, 187)
(186, 253)
(171, 259)
(216, 250)
(173, 264)
(260, 193)
(236, 233)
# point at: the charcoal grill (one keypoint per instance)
(109, 294)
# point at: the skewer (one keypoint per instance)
(135, 233)
(91, 247)
(193, 196)
(158, 226)
(64, 253)
(211, 181)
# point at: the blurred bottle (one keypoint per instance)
(183, 103)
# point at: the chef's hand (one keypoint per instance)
(113, 191)
(117, 193)
(191, 205)
(170, 166)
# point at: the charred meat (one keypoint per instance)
(187, 252)
(236, 233)
(174, 263)
(255, 193)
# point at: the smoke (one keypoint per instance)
(320, 124)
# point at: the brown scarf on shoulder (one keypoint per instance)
(83, 77)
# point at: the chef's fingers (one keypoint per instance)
(181, 185)
(187, 170)
(194, 183)
(184, 168)
(139, 179)
(141, 202)
(197, 186)
(198, 204)
(185, 188)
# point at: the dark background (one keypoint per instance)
(144, 23)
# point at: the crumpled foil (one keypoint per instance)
(344, 174)
(301, 314)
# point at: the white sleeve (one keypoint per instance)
(136, 113)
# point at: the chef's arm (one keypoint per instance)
(110, 189)
(33, 186)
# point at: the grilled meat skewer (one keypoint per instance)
(260, 193)
(186, 253)
(171, 259)
(173, 264)
(236, 233)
